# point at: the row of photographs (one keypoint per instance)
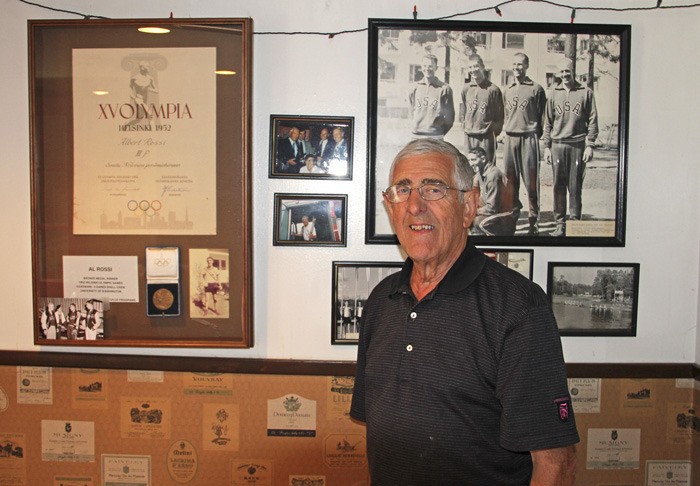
(588, 299)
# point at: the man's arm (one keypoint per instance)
(553, 467)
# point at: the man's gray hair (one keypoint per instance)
(462, 174)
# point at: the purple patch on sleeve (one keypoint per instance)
(563, 408)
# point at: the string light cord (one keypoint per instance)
(61, 10)
(497, 8)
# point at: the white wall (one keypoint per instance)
(663, 232)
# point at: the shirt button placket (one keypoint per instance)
(412, 317)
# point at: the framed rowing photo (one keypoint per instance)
(141, 186)
(594, 299)
(310, 220)
(311, 147)
(539, 111)
(352, 284)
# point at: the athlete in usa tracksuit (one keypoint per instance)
(481, 114)
(570, 131)
(524, 104)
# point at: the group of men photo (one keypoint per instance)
(522, 116)
(302, 151)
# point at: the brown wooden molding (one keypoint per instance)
(301, 367)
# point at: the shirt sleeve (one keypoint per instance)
(532, 386)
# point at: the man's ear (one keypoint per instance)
(469, 207)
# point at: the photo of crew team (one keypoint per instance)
(71, 319)
(536, 115)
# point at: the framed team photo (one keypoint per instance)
(594, 299)
(352, 284)
(515, 259)
(311, 147)
(540, 112)
(310, 220)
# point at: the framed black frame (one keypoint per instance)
(594, 299)
(518, 259)
(333, 161)
(352, 284)
(326, 215)
(396, 50)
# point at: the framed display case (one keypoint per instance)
(140, 173)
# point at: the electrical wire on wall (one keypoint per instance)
(572, 9)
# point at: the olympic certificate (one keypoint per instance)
(144, 123)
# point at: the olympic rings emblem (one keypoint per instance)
(162, 262)
(150, 208)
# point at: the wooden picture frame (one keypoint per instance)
(405, 104)
(140, 153)
(594, 299)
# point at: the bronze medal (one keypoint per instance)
(163, 299)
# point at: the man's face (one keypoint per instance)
(302, 134)
(324, 134)
(477, 162)
(337, 135)
(294, 134)
(305, 221)
(428, 67)
(565, 74)
(309, 163)
(476, 71)
(430, 232)
(519, 67)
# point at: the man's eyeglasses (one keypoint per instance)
(430, 192)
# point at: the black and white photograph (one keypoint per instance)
(312, 147)
(71, 319)
(516, 259)
(539, 111)
(310, 220)
(594, 299)
(352, 284)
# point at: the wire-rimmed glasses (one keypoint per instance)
(399, 193)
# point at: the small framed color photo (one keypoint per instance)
(516, 259)
(310, 220)
(594, 299)
(352, 284)
(313, 147)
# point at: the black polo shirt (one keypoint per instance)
(457, 388)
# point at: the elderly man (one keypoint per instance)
(460, 375)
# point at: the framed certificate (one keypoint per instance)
(140, 147)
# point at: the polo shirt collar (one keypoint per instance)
(463, 272)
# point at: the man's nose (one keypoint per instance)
(416, 204)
